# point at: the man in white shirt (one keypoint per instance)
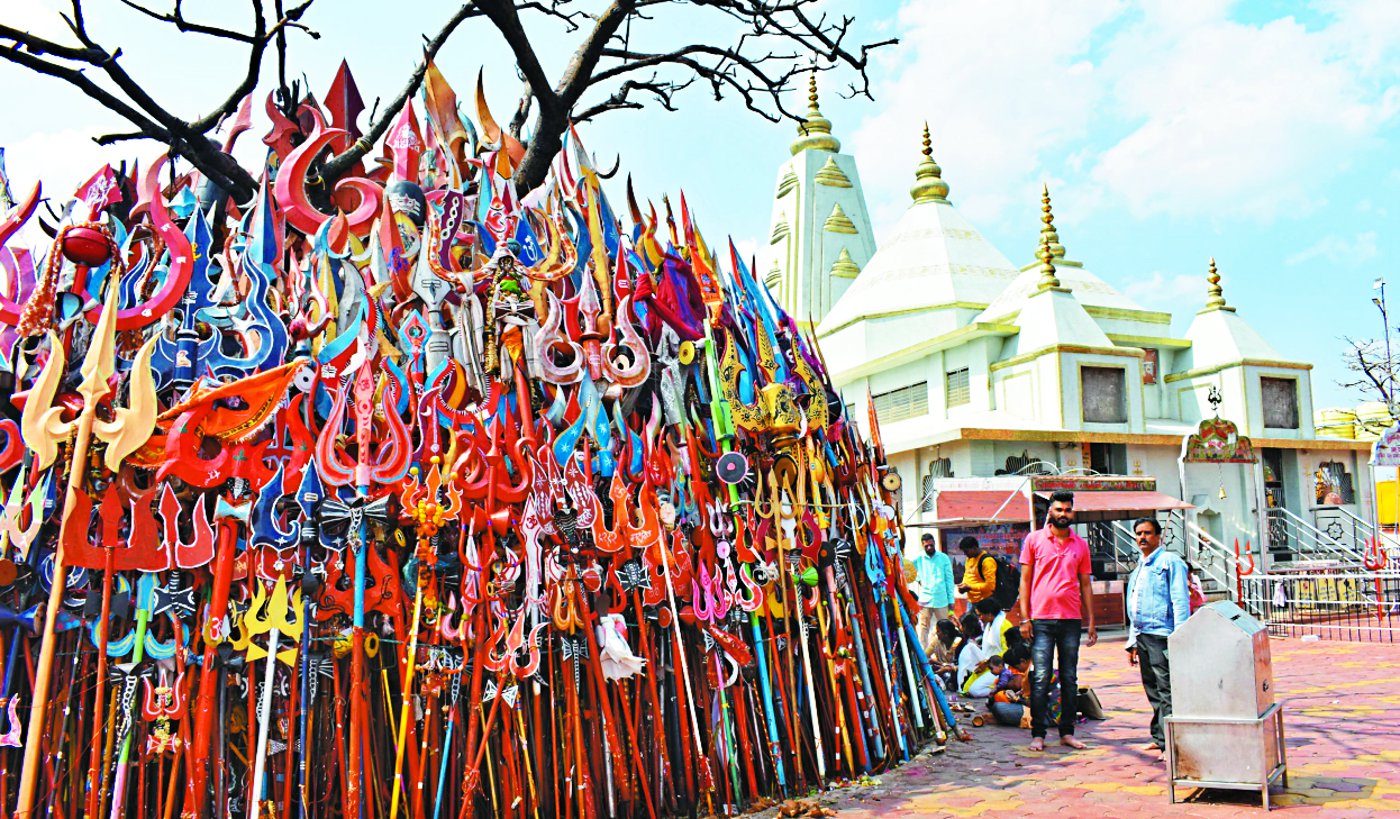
(935, 576)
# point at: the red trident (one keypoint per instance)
(1376, 560)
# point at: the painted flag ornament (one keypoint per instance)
(428, 500)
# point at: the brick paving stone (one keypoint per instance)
(1343, 749)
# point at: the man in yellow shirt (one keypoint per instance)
(979, 578)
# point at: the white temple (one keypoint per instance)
(983, 372)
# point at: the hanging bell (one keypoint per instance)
(1222, 491)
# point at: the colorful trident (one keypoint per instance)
(44, 429)
(269, 615)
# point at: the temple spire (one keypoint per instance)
(928, 178)
(1049, 244)
(1215, 294)
(814, 132)
(1048, 235)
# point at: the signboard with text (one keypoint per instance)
(1386, 450)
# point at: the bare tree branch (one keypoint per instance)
(552, 121)
(731, 69)
(773, 44)
(1374, 372)
(506, 19)
(522, 109)
(553, 8)
(176, 17)
(135, 104)
(662, 92)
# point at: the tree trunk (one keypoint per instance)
(548, 140)
(220, 168)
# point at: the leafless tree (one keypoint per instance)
(609, 70)
(1372, 373)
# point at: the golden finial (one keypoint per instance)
(814, 131)
(1215, 294)
(1049, 238)
(928, 178)
(1048, 279)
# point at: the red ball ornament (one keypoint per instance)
(86, 246)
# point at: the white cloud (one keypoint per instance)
(1160, 107)
(1338, 250)
(1170, 290)
(62, 160)
(1004, 87)
(1236, 119)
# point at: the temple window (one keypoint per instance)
(1108, 459)
(1102, 393)
(905, 402)
(1280, 399)
(958, 388)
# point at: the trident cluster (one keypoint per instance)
(406, 494)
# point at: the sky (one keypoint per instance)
(1169, 131)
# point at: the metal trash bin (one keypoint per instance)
(1225, 730)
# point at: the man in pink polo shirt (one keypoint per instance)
(1056, 601)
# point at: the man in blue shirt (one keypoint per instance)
(1158, 601)
(935, 576)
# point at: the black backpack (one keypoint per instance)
(1008, 586)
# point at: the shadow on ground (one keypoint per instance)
(1341, 704)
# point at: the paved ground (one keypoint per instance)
(1342, 710)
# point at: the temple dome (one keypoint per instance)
(934, 259)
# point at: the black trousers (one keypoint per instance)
(1052, 637)
(1156, 681)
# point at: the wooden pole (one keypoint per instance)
(98, 366)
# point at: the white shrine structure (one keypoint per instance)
(996, 382)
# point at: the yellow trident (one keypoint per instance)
(43, 429)
(42, 423)
(269, 616)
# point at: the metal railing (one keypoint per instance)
(1122, 547)
(1347, 528)
(1306, 541)
(1217, 563)
(1209, 557)
(1333, 604)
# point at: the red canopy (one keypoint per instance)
(1117, 505)
(975, 506)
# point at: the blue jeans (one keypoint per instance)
(1051, 636)
(1007, 713)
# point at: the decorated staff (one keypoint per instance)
(525, 512)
